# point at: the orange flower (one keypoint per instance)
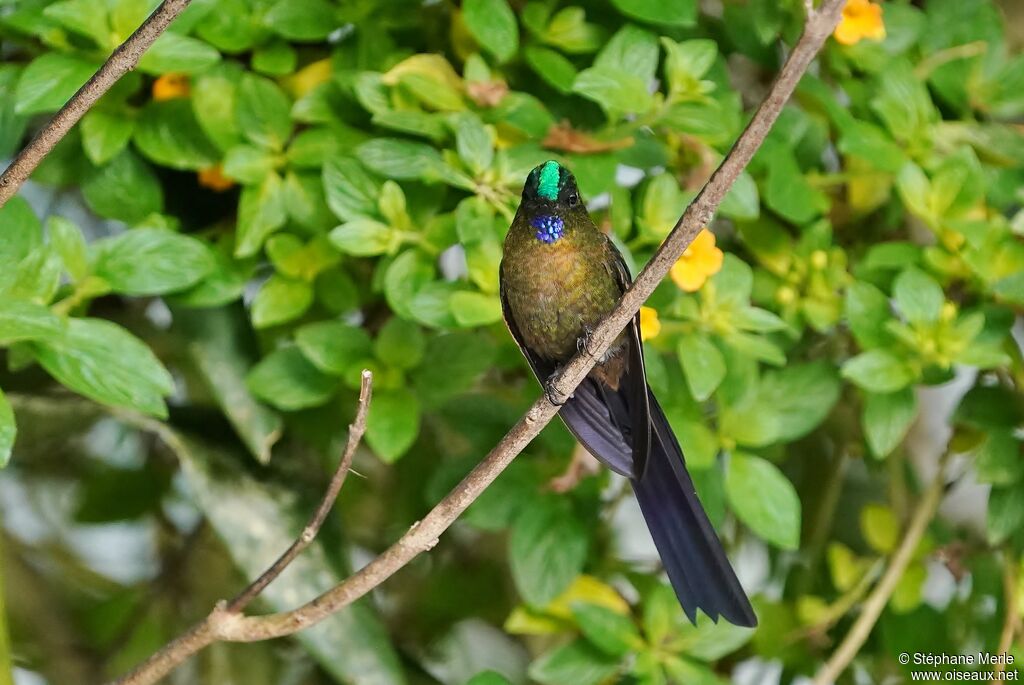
(170, 86)
(861, 19)
(213, 178)
(650, 325)
(700, 261)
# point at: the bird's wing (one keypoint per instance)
(586, 413)
(634, 383)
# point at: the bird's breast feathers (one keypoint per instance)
(555, 290)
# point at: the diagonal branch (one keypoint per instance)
(223, 624)
(120, 62)
(879, 597)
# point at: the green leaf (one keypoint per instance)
(275, 58)
(764, 499)
(351, 190)
(81, 16)
(263, 112)
(231, 28)
(867, 311)
(617, 92)
(1005, 512)
(248, 164)
(302, 20)
(218, 345)
(577, 662)
(105, 362)
(334, 347)
(456, 361)
(291, 257)
(105, 134)
(474, 142)
(261, 211)
(880, 527)
(493, 25)
(887, 418)
(224, 284)
(8, 430)
(257, 518)
(124, 189)
(703, 364)
(878, 371)
(400, 344)
(365, 238)
(214, 100)
(547, 549)
(631, 50)
(700, 444)
(280, 299)
(488, 678)
(21, 233)
(742, 202)
(608, 630)
(69, 242)
(152, 261)
(50, 81)
(287, 380)
(393, 423)
(404, 277)
(402, 160)
(802, 395)
(915, 190)
(168, 134)
(686, 64)
(710, 641)
(175, 52)
(662, 12)
(734, 281)
(787, 190)
(21, 320)
(472, 309)
(918, 296)
(551, 66)
(1000, 459)
(568, 30)
(36, 278)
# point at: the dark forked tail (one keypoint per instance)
(690, 550)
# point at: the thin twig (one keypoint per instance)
(120, 62)
(355, 436)
(1011, 620)
(879, 597)
(224, 625)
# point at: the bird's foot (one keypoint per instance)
(583, 342)
(550, 392)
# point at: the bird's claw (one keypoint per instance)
(551, 393)
(583, 342)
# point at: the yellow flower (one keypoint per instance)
(170, 86)
(213, 178)
(650, 325)
(700, 261)
(861, 19)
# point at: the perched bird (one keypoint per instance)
(560, 276)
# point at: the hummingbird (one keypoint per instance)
(560, 275)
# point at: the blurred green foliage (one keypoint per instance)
(312, 187)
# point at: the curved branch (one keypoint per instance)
(120, 62)
(879, 597)
(224, 625)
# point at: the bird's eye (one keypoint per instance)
(573, 199)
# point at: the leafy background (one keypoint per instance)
(288, 191)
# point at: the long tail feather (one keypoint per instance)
(689, 547)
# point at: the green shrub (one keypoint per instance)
(314, 187)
